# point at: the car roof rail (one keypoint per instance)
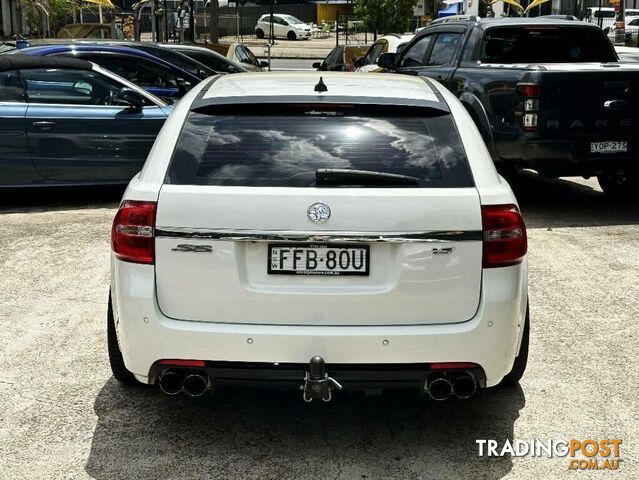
(456, 18)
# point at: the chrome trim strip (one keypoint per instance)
(326, 237)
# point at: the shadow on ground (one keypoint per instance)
(26, 200)
(548, 203)
(265, 434)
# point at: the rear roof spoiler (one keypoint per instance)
(203, 103)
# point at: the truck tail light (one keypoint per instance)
(505, 240)
(529, 93)
(133, 235)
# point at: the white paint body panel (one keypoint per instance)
(408, 283)
(480, 319)
(490, 339)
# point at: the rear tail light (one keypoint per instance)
(132, 235)
(505, 241)
(529, 93)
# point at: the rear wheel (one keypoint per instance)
(259, 33)
(291, 35)
(620, 186)
(116, 361)
(519, 366)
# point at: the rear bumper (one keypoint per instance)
(490, 339)
(352, 376)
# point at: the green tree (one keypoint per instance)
(386, 16)
(57, 11)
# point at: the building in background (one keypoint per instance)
(11, 20)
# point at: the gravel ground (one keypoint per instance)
(63, 416)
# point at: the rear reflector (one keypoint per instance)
(184, 363)
(132, 235)
(505, 240)
(528, 90)
(452, 365)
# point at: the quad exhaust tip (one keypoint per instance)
(464, 385)
(440, 386)
(194, 384)
(171, 382)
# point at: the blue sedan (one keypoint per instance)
(65, 121)
(155, 75)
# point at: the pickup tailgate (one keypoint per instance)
(596, 105)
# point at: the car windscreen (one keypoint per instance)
(260, 149)
(545, 44)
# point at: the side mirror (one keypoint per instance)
(317, 65)
(263, 64)
(132, 98)
(357, 63)
(386, 60)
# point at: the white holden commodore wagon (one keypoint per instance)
(348, 232)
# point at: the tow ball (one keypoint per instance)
(317, 383)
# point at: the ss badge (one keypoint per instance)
(189, 248)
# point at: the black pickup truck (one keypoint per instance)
(545, 94)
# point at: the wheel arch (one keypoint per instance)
(478, 113)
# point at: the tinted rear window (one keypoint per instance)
(286, 150)
(545, 44)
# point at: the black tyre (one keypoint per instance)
(519, 366)
(291, 35)
(116, 361)
(623, 187)
(259, 33)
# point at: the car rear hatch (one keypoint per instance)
(286, 219)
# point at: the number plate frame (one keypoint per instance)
(330, 273)
(608, 147)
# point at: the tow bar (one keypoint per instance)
(317, 383)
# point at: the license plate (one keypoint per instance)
(318, 259)
(609, 147)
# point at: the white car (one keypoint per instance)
(284, 26)
(320, 234)
(631, 30)
(386, 44)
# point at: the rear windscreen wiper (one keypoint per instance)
(344, 176)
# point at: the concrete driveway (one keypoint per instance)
(63, 416)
